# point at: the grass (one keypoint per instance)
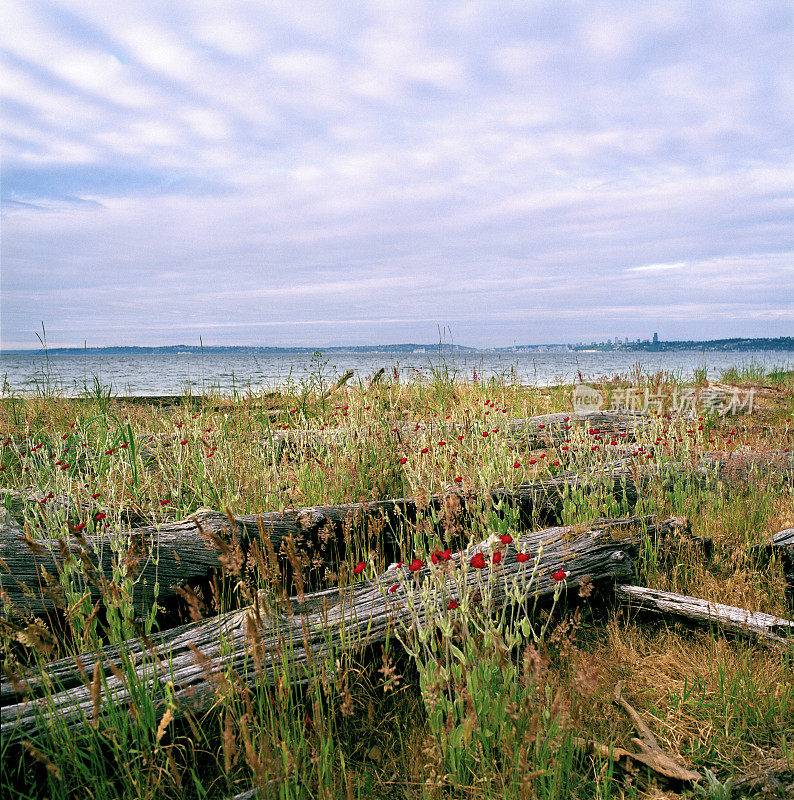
(475, 705)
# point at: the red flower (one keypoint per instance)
(445, 555)
(179, 424)
(441, 443)
(416, 565)
(77, 528)
(564, 447)
(458, 479)
(434, 557)
(478, 562)
(497, 557)
(99, 515)
(403, 460)
(359, 568)
(293, 411)
(164, 502)
(424, 450)
(399, 564)
(522, 557)
(460, 437)
(517, 464)
(485, 433)
(555, 464)
(109, 452)
(94, 496)
(393, 588)
(532, 461)
(65, 436)
(506, 538)
(64, 466)
(184, 441)
(453, 604)
(560, 575)
(124, 444)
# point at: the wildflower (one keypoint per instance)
(293, 411)
(64, 466)
(403, 460)
(522, 557)
(393, 588)
(485, 434)
(179, 424)
(506, 538)
(533, 461)
(516, 465)
(65, 436)
(164, 502)
(564, 447)
(555, 464)
(441, 443)
(416, 565)
(434, 557)
(496, 557)
(99, 515)
(77, 528)
(424, 450)
(184, 441)
(124, 444)
(95, 495)
(453, 604)
(460, 437)
(2, 468)
(478, 562)
(359, 568)
(109, 451)
(560, 575)
(399, 564)
(445, 555)
(458, 479)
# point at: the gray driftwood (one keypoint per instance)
(174, 553)
(704, 612)
(302, 636)
(533, 432)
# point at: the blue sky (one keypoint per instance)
(318, 173)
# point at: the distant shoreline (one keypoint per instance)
(781, 343)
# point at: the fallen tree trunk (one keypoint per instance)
(266, 643)
(704, 612)
(533, 432)
(158, 558)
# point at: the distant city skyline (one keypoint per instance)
(314, 173)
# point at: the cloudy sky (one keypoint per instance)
(317, 173)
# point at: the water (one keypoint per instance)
(175, 373)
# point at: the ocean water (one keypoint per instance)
(175, 373)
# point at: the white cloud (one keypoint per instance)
(658, 267)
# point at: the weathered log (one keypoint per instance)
(533, 432)
(158, 558)
(263, 642)
(704, 612)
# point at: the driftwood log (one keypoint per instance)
(302, 636)
(533, 432)
(703, 612)
(169, 555)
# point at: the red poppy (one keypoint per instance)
(164, 502)
(77, 528)
(109, 452)
(99, 515)
(179, 424)
(496, 557)
(441, 443)
(416, 565)
(478, 562)
(424, 450)
(517, 465)
(560, 575)
(94, 496)
(555, 464)
(453, 604)
(124, 444)
(458, 479)
(359, 568)
(434, 557)
(403, 460)
(532, 461)
(522, 557)
(65, 436)
(64, 466)
(184, 441)
(393, 588)
(485, 434)
(506, 538)
(445, 555)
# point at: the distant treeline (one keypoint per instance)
(779, 343)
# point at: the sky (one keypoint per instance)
(306, 173)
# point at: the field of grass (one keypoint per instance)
(476, 704)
